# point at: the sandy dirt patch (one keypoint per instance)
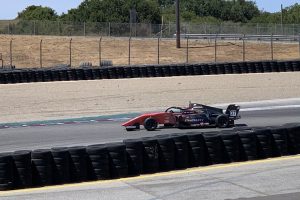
(28, 51)
(55, 100)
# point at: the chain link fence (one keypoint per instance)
(54, 43)
(62, 28)
(50, 51)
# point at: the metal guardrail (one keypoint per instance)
(284, 38)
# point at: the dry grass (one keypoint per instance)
(55, 50)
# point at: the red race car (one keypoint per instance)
(195, 115)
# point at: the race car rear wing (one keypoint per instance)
(233, 111)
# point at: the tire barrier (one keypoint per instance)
(143, 72)
(117, 160)
(150, 155)
(166, 71)
(249, 145)
(42, 167)
(134, 149)
(99, 160)
(61, 157)
(264, 143)
(182, 151)
(6, 172)
(198, 150)
(133, 157)
(215, 148)
(280, 146)
(293, 132)
(166, 152)
(14, 76)
(174, 71)
(78, 168)
(23, 170)
(232, 146)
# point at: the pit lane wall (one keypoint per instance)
(117, 72)
(134, 157)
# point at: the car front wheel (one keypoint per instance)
(150, 124)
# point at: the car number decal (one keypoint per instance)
(232, 113)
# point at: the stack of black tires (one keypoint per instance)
(133, 157)
(92, 73)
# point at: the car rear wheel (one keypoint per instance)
(150, 124)
(222, 121)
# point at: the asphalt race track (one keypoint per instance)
(274, 179)
(96, 133)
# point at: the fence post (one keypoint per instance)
(109, 29)
(100, 51)
(187, 49)
(58, 28)
(244, 48)
(299, 44)
(129, 50)
(272, 50)
(41, 54)
(8, 29)
(34, 27)
(169, 31)
(215, 49)
(10, 52)
(1, 60)
(84, 33)
(70, 52)
(158, 45)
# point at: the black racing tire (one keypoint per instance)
(23, 170)
(78, 164)
(150, 155)
(182, 150)
(99, 159)
(249, 144)
(166, 152)
(264, 142)
(150, 124)
(42, 167)
(117, 160)
(6, 172)
(222, 121)
(134, 149)
(232, 145)
(198, 150)
(280, 138)
(215, 148)
(61, 157)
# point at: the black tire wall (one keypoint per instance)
(42, 167)
(133, 157)
(14, 76)
(6, 172)
(23, 170)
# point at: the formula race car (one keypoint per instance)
(195, 115)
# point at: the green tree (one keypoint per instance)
(115, 11)
(37, 13)
(291, 15)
